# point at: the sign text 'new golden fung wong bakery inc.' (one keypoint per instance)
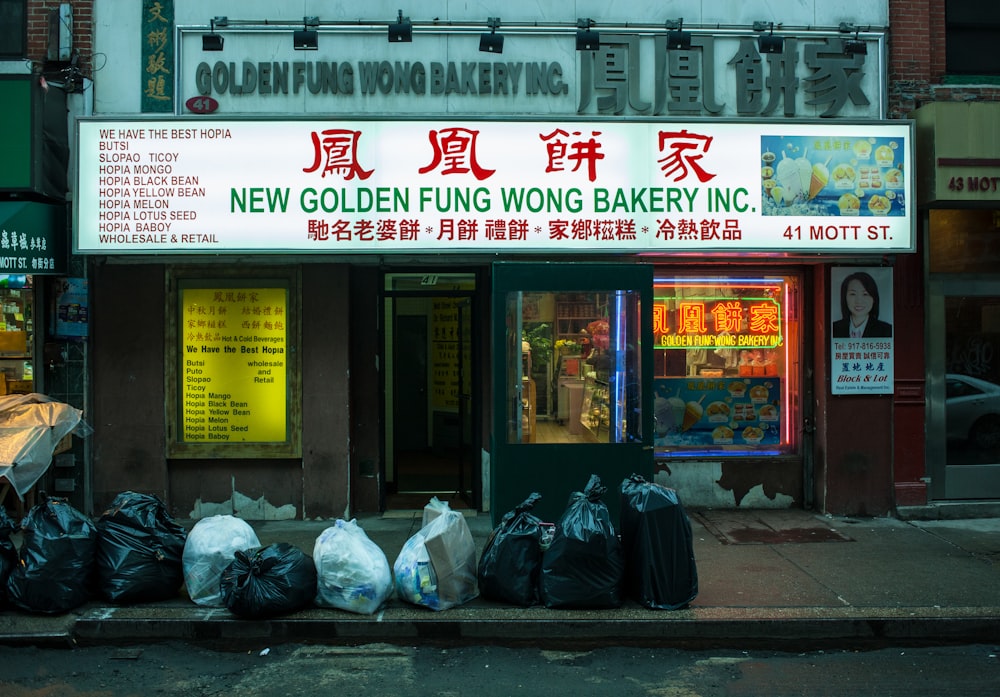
(462, 186)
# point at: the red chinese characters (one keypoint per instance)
(683, 151)
(336, 151)
(454, 151)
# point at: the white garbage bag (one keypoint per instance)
(211, 546)
(352, 572)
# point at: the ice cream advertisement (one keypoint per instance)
(734, 411)
(845, 176)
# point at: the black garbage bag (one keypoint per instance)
(268, 581)
(139, 550)
(55, 566)
(584, 566)
(660, 570)
(8, 552)
(511, 562)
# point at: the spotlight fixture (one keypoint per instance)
(768, 43)
(677, 38)
(213, 41)
(401, 31)
(306, 39)
(492, 42)
(855, 46)
(586, 38)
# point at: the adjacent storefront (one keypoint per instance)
(961, 189)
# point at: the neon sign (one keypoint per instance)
(684, 321)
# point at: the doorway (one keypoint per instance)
(599, 345)
(964, 389)
(432, 433)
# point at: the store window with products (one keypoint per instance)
(17, 338)
(579, 368)
(727, 364)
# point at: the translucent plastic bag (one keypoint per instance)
(352, 572)
(511, 563)
(660, 569)
(584, 565)
(139, 550)
(210, 547)
(437, 566)
(55, 566)
(268, 581)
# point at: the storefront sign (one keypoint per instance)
(716, 323)
(861, 344)
(234, 365)
(723, 74)
(186, 186)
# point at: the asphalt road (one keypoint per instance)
(485, 671)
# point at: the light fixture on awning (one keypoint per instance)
(401, 31)
(213, 41)
(491, 42)
(677, 38)
(306, 39)
(855, 46)
(586, 38)
(768, 43)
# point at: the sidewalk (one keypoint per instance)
(778, 579)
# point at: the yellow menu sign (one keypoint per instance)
(234, 359)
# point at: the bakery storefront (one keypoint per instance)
(358, 313)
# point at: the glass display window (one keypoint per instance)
(577, 372)
(727, 364)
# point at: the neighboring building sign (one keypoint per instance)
(234, 359)
(959, 152)
(268, 186)
(32, 237)
(861, 344)
(157, 64)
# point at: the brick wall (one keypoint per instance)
(917, 59)
(83, 31)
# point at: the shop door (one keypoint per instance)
(964, 390)
(430, 439)
(592, 325)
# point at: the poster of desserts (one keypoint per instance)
(832, 176)
(728, 411)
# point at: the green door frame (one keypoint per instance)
(557, 470)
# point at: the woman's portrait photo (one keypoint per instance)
(862, 313)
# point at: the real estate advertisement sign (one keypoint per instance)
(861, 343)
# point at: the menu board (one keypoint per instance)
(737, 411)
(234, 360)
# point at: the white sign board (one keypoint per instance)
(273, 186)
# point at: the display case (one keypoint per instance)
(17, 338)
(595, 411)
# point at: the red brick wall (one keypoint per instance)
(83, 30)
(917, 59)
